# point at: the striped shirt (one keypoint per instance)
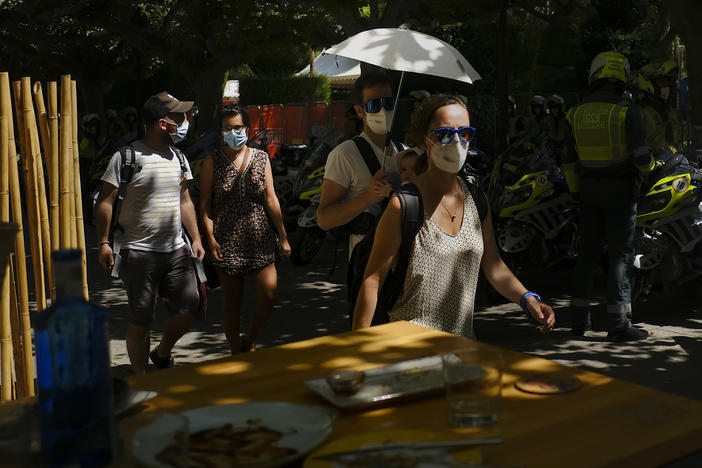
(150, 213)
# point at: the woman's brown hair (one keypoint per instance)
(421, 118)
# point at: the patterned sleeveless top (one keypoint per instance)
(442, 275)
(241, 225)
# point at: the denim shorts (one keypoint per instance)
(169, 276)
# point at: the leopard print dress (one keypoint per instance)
(241, 225)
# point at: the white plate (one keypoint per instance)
(303, 427)
(128, 399)
(400, 380)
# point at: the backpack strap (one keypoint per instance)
(412, 216)
(412, 221)
(181, 160)
(126, 172)
(480, 200)
(367, 153)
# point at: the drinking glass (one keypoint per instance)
(473, 379)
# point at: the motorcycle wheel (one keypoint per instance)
(307, 245)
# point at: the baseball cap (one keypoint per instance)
(161, 104)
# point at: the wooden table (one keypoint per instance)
(607, 422)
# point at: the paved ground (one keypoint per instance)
(311, 302)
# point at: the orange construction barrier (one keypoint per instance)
(274, 128)
(256, 118)
(297, 123)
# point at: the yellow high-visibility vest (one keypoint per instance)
(654, 126)
(661, 130)
(599, 131)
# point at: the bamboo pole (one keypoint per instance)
(19, 115)
(72, 180)
(77, 191)
(65, 163)
(41, 184)
(29, 161)
(5, 327)
(52, 95)
(18, 344)
(16, 208)
(43, 120)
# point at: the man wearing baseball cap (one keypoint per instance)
(150, 252)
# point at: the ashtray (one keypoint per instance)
(347, 381)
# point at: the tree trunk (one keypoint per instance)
(684, 16)
(209, 88)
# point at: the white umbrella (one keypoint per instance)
(341, 71)
(404, 50)
(407, 51)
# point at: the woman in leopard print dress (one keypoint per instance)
(243, 223)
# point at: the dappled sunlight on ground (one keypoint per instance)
(312, 303)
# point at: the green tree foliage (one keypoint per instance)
(284, 89)
(121, 52)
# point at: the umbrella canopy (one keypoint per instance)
(341, 71)
(407, 51)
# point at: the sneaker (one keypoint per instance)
(161, 362)
(627, 334)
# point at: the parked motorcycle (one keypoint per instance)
(667, 243)
(536, 219)
(307, 191)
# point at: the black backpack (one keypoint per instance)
(412, 221)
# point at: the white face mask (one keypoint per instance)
(449, 157)
(379, 123)
(665, 93)
(181, 132)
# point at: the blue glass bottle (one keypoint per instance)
(75, 394)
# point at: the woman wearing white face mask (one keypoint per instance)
(454, 242)
(236, 200)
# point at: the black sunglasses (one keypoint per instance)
(444, 135)
(372, 106)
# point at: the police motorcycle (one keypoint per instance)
(535, 217)
(285, 167)
(667, 243)
(307, 192)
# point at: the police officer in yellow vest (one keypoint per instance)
(662, 124)
(604, 158)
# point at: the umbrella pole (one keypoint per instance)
(388, 145)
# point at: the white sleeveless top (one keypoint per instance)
(439, 289)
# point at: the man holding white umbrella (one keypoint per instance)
(398, 49)
(351, 194)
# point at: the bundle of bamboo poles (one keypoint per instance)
(55, 218)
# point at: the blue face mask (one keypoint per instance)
(235, 138)
(179, 135)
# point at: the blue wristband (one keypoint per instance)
(525, 296)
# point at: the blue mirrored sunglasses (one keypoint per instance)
(372, 106)
(444, 135)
